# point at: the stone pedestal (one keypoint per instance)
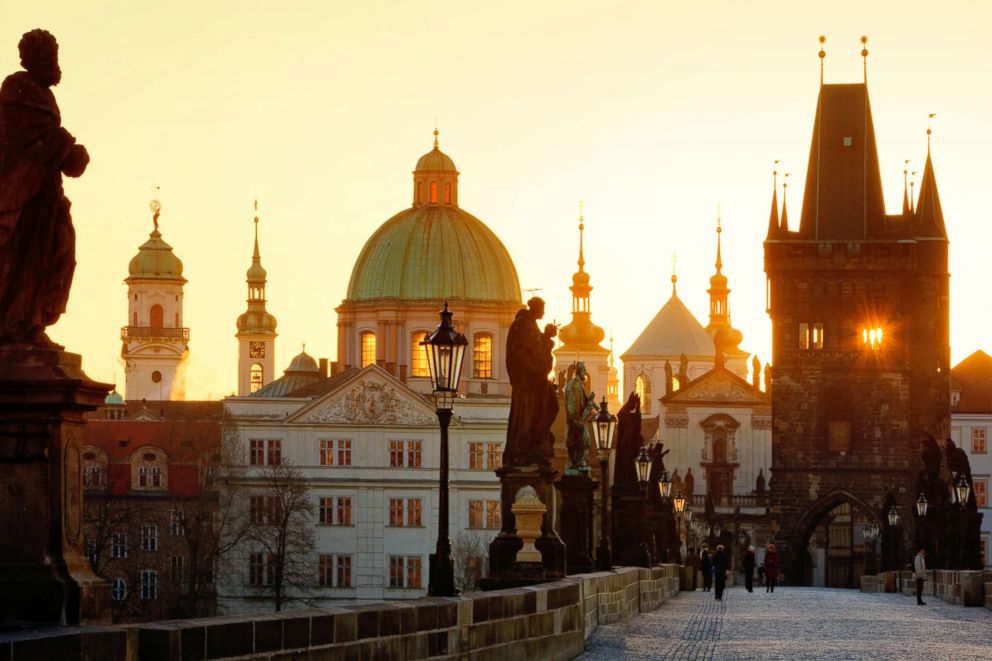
(503, 569)
(576, 520)
(630, 548)
(44, 576)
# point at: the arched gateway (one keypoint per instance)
(836, 553)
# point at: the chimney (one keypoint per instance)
(323, 367)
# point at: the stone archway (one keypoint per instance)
(836, 519)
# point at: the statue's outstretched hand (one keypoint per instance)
(75, 163)
(550, 330)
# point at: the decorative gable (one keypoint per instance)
(373, 397)
(718, 386)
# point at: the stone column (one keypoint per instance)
(575, 521)
(44, 576)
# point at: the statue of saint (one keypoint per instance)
(628, 443)
(683, 371)
(580, 408)
(534, 402)
(669, 386)
(37, 241)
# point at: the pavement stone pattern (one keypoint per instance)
(797, 623)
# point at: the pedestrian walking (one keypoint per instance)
(748, 566)
(720, 565)
(771, 568)
(706, 566)
(920, 574)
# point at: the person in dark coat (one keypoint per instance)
(706, 566)
(771, 568)
(748, 567)
(721, 563)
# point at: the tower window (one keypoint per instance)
(447, 193)
(418, 356)
(156, 316)
(255, 377)
(368, 348)
(643, 389)
(482, 356)
(818, 335)
(804, 336)
(871, 338)
(433, 192)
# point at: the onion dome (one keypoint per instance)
(256, 320)
(434, 251)
(155, 259)
(114, 398)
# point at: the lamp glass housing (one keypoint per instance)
(921, 505)
(893, 516)
(604, 427)
(963, 490)
(664, 484)
(445, 349)
(643, 463)
(679, 502)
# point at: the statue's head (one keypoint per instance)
(40, 56)
(536, 305)
(950, 446)
(580, 370)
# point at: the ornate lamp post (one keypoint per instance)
(445, 349)
(962, 491)
(870, 532)
(922, 534)
(603, 428)
(921, 505)
(643, 465)
(679, 502)
(665, 484)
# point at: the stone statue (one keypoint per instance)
(669, 386)
(689, 483)
(683, 371)
(580, 408)
(37, 241)
(756, 373)
(533, 404)
(629, 442)
(759, 483)
(768, 377)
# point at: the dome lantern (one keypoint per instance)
(435, 179)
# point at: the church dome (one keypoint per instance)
(155, 261)
(434, 252)
(303, 362)
(256, 321)
(113, 397)
(435, 160)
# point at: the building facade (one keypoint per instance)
(858, 300)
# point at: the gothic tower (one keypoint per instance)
(155, 342)
(858, 301)
(256, 330)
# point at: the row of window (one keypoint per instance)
(811, 336)
(148, 584)
(433, 192)
(978, 440)
(148, 469)
(482, 354)
(336, 511)
(402, 453)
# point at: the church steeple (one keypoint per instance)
(785, 200)
(773, 223)
(581, 333)
(930, 216)
(256, 329)
(718, 291)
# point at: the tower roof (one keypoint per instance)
(843, 196)
(435, 160)
(672, 332)
(581, 334)
(928, 211)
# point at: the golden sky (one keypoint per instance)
(654, 113)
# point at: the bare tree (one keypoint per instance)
(113, 530)
(281, 535)
(471, 555)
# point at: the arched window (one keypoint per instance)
(149, 470)
(94, 468)
(643, 389)
(118, 589)
(255, 377)
(447, 193)
(482, 356)
(155, 316)
(720, 445)
(418, 355)
(367, 339)
(433, 192)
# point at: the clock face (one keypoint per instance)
(256, 349)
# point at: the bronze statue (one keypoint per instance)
(629, 442)
(534, 402)
(37, 241)
(580, 408)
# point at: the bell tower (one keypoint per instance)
(154, 341)
(256, 330)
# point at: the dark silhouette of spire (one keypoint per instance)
(773, 218)
(930, 217)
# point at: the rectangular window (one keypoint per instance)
(804, 336)
(343, 570)
(405, 571)
(142, 476)
(368, 348)
(90, 550)
(255, 569)
(483, 514)
(476, 456)
(978, 440)
(818, 335)
(274, 448)
(178, 569)
(494, 455)
(343, 511)
(257, 457)
(981, 492)
(482, 356)
(156, 474)
(325, 571)
(396, 454)
(118, 545)
(414, 454)
(335, 511)
(176, 523)
(326, 452)
(256, 509)
(413, 572)
(149, 584)
(334, 571)
(414, 510)
(493, 514)
(396, 511)
(418, 356)
(475, 514)
(149, 538)
(396, 567)
(344, 453)
(326, 511)
(93, 477)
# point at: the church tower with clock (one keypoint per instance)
(256, 330)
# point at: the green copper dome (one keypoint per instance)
(434, 252)
(156, 261)
(435, 161)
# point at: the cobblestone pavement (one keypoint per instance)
(797, 623)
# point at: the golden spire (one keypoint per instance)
(156, 208)
(905, 187)
(864, 55)
(675, 276)
(256, 256)
(785, 211)
(822, 54)
(435, 138)
(582, 226)
(929, 130)
(912, 190)
(719, 230)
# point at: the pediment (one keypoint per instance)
(371, 397)
(718, 386)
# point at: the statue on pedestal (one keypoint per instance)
(37, 241)
(580, 408)
(533, 403)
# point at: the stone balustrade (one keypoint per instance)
(961, 588)
(546, 621)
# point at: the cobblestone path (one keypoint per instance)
(797, 623)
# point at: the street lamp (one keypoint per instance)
(445, 349)
(717, 530)
(893, 516)
(664, 484)
(742, 539)
(604, 426)
(679, 502)
(921, 505)
(643, 464)
(870, 531)
(687, 514)
(963, 491)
